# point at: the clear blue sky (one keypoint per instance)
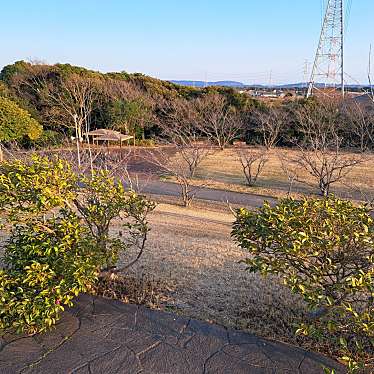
(180, 39)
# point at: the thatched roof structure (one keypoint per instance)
(108, 135)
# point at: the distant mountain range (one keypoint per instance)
(204, 84)
(235, 84)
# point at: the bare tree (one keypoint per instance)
(289, 171)
(171, 163)
(219, 121)
(360, 125)
(184, 150)
(71, 105)
(320, 153)
(71, 102)
(253, 161)
(268, 123)
(66, 101)
(179, 125)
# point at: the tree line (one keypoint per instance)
(62, 97)
(58, 96)
(69, 101)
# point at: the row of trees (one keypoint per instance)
(70, 101)
(63, 97)
(324, 153)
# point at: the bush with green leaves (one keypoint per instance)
(48, 264)
(100, 201)
(35, 187)
(16, 123)
(324, 251)
(61, 231)
(47, 139)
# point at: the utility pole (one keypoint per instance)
(206, 79)
(328, 67)
(270, 78)
(371, 90)
(305, 73)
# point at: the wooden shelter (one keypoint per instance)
(105, 135)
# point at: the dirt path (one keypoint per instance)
(156, 187)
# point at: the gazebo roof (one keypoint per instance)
(117, 138)
(109, 135)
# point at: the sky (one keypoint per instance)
(252, 41)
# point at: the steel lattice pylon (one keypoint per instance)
(328, 67)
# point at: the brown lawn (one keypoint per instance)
(191, 251)
(223, 170)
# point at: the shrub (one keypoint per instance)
(324, 251)
(61, 236)
(47, 265)
(16, 123)
(101, 201)
(145, 142)
(33, 188)
(48, 138)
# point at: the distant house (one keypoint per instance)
(104, 135)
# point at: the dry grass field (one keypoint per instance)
(190, 250)
(223, 170)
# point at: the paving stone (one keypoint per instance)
(100, 335)
(313, 362)
(224, 364)
(17, 354)
(117, 361)
(159, 323)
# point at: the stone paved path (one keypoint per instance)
(105, 336)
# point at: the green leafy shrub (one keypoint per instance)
(102, 201)
(60, 237)
(145, 142)
(47, 266)
(4, 91)
(16, 123)
(33, 188)
(324, 251)
(48, 138)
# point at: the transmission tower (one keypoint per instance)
(328, 67)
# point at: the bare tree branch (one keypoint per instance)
(320, 153)
(219, 121)
(253, 161)
(268, 123)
